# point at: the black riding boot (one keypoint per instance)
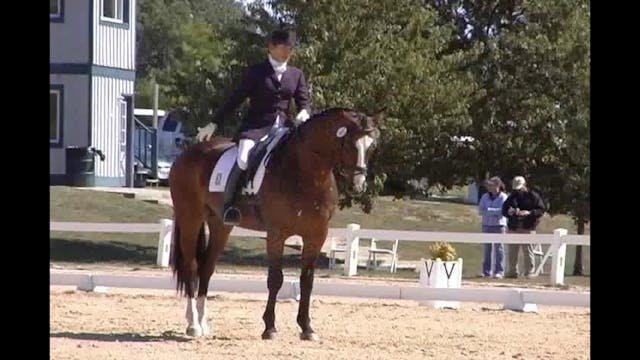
(231, 214)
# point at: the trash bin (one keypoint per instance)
(140, 176)
(80, 165)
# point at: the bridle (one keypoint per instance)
(346, 170)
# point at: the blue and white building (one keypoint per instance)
(92, 74)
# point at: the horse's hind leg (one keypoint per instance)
(218, 237)
(191, 239)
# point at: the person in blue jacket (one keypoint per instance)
(493, 222)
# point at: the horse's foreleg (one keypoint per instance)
(310, 254)
(218, 236)
(193, 327)
(275, 247)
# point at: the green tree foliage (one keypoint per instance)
(184, 46)
(512, 75)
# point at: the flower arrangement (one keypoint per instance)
(442, 251)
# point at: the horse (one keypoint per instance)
(298, 196)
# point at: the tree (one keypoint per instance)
(370, 55)
(530, 116)
(184, 46)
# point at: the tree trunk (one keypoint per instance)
(578, 269)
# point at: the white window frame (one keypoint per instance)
(58, 116)
(57, 15)
(119, 5)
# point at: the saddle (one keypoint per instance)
(258, 159)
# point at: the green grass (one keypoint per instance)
(68, 204)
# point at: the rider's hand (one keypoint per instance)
(205, 133)
(302, 117)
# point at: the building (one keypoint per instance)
(92, 75)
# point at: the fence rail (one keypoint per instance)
(512, 298)
(352, 233)
(402, 235)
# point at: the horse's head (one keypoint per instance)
(358, 135)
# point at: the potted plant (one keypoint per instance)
(441, 270)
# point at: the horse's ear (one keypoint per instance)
(379, 116)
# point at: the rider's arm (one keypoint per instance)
(301, 95)
(238, 96)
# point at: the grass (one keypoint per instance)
(69, 204)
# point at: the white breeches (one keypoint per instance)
(244, 147)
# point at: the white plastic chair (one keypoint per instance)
(374, 250)
(334, 248)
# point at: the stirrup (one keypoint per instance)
(231, 216)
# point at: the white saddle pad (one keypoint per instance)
(224, 165)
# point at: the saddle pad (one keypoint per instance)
(223, 167)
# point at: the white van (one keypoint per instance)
(170, 137)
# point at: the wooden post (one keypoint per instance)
(559, 255)
(130, 133)
(154, 145)
(353, 243)
(155, 104)
(164, 242)
(578, 268)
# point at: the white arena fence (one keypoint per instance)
(512, 297)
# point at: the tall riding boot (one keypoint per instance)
(231, 214)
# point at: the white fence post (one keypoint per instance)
(559, 254)
(164, 242)
(515, 301)
(353, 243)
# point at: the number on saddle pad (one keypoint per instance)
(256, 164)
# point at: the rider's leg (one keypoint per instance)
(244, 147)
(232, 215)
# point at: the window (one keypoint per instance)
(55, 115)
(56, 10)
(113, 10)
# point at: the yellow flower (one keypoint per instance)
(442, 251)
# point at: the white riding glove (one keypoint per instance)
(302, 117)
(205, 133)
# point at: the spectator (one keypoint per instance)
(523, 209)
(493, 222)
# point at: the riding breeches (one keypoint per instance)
(244, 147)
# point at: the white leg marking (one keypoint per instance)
(193, 327)
(201, 305)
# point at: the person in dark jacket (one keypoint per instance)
(523, 209)
(270, 86)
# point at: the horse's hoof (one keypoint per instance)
(194, 331)
(311, 336)
(269, 334)
(205, 329)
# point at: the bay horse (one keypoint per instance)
(298, 196)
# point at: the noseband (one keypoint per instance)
(344, 170)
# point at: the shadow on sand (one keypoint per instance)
(122, 337)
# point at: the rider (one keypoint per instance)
(270, 86)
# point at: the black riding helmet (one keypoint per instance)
(283, 37)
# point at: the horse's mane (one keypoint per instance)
(326, 112)
(277, 155)
(296, 132)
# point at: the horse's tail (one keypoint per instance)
(183, 275)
